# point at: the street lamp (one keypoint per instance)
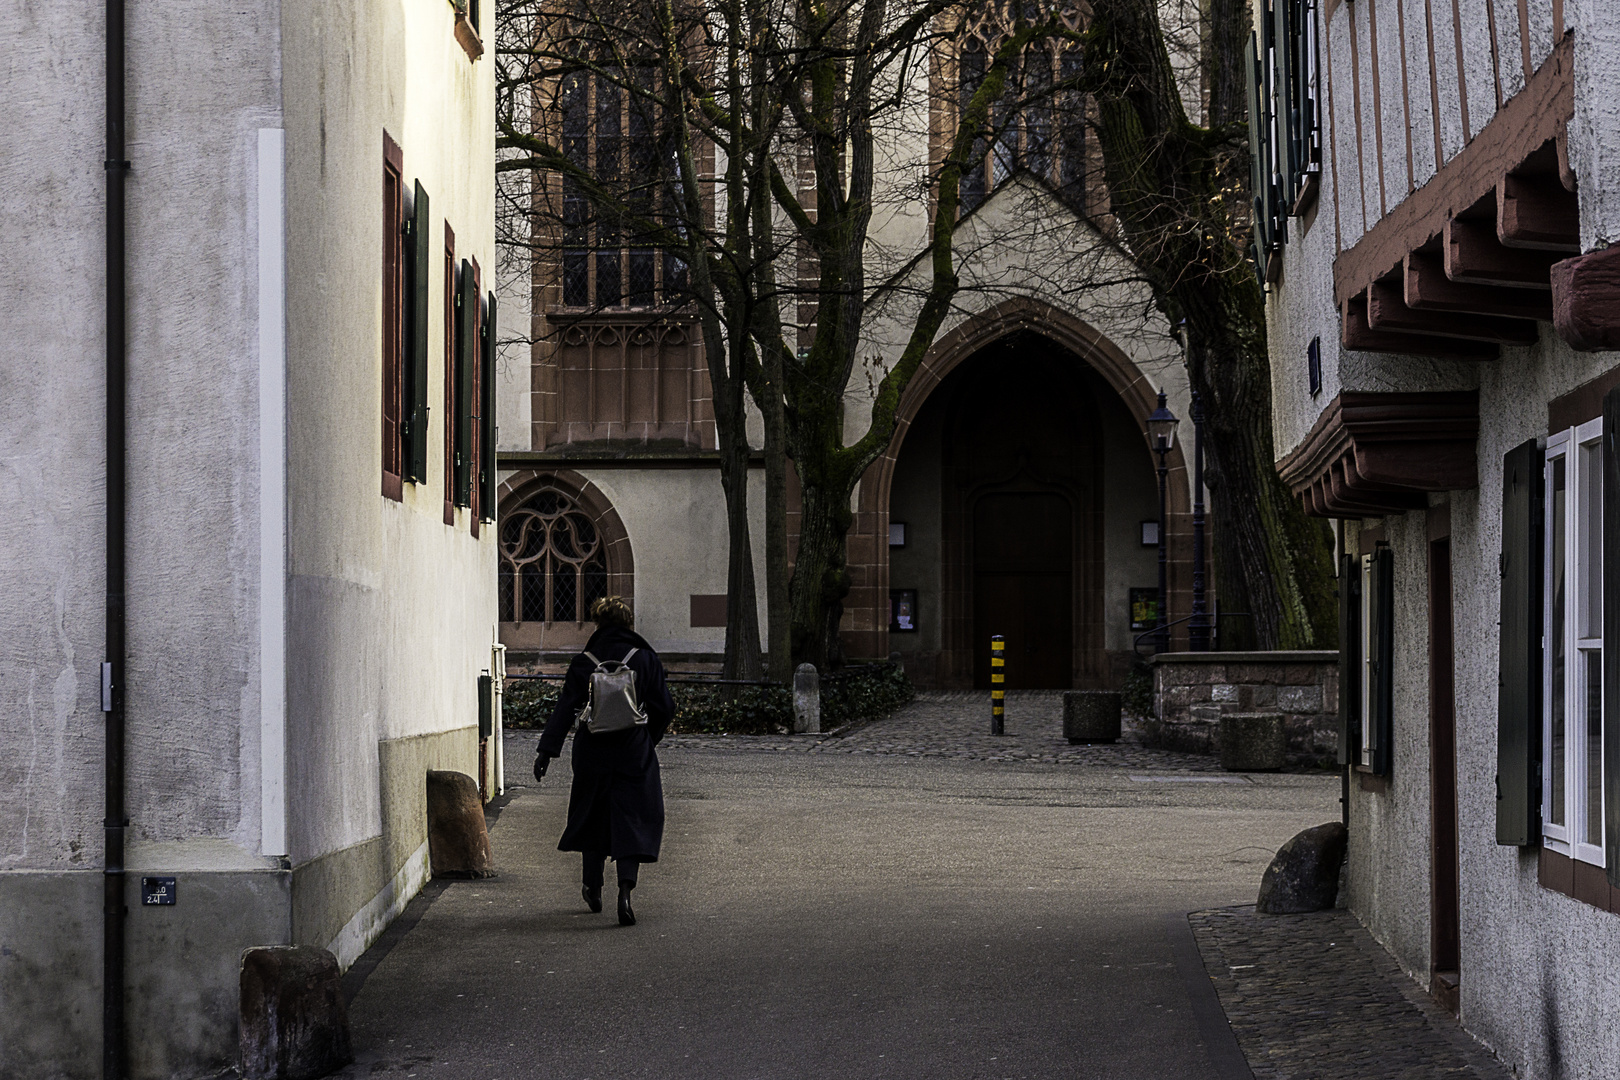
(1161, 430)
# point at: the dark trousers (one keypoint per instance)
(594, 861)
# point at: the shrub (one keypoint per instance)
(1137, 693)
(859, 693)
(863, 693)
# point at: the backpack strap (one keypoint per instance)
(594, 661)
(627, 656)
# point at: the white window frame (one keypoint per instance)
(1578, 640)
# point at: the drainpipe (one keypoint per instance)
(112, 668)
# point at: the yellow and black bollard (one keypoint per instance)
(998, 685)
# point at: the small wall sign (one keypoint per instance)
(157, 890)
(1150, 534)
(1144, 609)
(902, 610)
(897, 534)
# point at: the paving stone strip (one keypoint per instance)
(956, 725)
(1314, 997)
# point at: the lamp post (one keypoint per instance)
(1161, 430)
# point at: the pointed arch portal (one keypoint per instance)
(1022, 473)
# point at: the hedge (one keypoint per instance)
(858, 693)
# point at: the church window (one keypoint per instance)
(553, 561)
(608, 129)
(1037, 127)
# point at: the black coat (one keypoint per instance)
(617, 803)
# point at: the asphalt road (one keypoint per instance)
(841, 916)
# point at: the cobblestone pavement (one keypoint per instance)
(1314, 997)
(956, 724)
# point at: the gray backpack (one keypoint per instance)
(614, 705)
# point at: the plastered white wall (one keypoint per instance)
(391, 612)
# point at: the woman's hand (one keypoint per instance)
(542, 761)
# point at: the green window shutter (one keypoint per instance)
(1611, 633)
(1349, 657)
(486, 423)
(466, 346)
(1518, 691)
(1381, 644)
(418, 260)
(1258, 172)
(1285, 102)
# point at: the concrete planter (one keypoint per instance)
(1091, 716)
(1252, 742)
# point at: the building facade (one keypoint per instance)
(1014, 494)
(1435, 204)
(310, 591)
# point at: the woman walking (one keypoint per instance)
(616, 808)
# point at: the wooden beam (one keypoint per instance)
(1586, 300)
(1474, 256)
(1356, 333)
(1387, 311)
(1428, 289)
(1534, 211)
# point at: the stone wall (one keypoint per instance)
(1192, 690)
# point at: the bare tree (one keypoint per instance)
(789, 100)
(1180, 192)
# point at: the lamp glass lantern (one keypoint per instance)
(1161, 425)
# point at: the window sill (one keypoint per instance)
(1577, 880)
(467, 38)
(1368, 780)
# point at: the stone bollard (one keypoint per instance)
(1252, 742)
(806, 700)
(1091, 716)
(1304, 876)
(293, 1025)
(458, 838)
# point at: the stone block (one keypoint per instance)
(458, 838)
(1300, 699)
(1252, 742)
(1271, 674)
(1301, 675)
(1227, 693)
(1304, 875)
(1263, 696)
(1091, 716)
(292, 1025)
(1186, 695)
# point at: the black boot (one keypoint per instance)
(593, 897)
(627, 915)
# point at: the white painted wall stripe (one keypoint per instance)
(272, 493)
(370, 921)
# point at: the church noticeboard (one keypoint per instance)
(902, 610)
(1144, 609)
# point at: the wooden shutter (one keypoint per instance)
(1381, 644)
(1349, 658)
(1611, 634)
(466, 361)
(1258, 172)
(418, 258)
(486, 421)
(1287, 107)
(1518, 690)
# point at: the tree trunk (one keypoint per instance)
(820, 575)
(1170, 185)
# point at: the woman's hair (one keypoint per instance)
(612, 611)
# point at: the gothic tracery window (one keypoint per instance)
(1033, 128)
(553, 561)
(609, 130)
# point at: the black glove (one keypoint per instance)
(542, 761)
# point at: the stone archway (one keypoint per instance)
(519, 489)
(867, 627)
